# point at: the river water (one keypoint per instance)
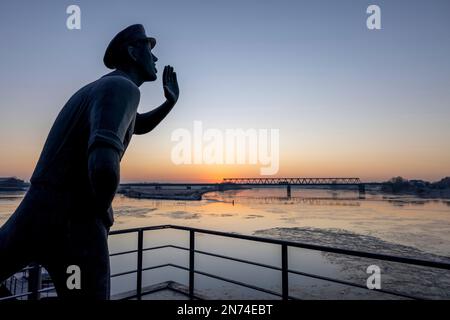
(399, 225)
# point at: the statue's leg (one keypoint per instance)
(85, 247)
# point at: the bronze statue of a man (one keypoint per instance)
(64, 218)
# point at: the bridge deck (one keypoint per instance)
(261, 181)
(294, 181)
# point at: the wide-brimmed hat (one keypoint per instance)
(125, 37)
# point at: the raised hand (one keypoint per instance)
(146, 122)
(170, 84)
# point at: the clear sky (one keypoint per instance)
(348, 101)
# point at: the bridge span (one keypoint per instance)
(294, 181)
(298, 182)
(288, 182)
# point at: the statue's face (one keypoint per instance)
(146, 61)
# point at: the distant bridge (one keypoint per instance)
(288, 182)
(297, 182)
(294, 181)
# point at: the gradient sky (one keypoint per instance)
(348, 101)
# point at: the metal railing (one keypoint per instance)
(34, 288)
(285, 270)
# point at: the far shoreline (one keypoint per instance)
(396, 186)
(150, 192)
(182, 193)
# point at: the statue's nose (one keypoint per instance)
(154, 58)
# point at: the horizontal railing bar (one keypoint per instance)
(239, 260)
(147, 249)
(178, 266)
(15, 296)
(143, 269)
(26, 294)
(131, 230)
(412, 261)
(156, 267)
(122, 253)
(178, 247)
(238, 283)
(309, 275)
(123, 273)
(27, 268)
(164, 246)
(46, 289)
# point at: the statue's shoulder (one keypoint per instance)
(116, 85)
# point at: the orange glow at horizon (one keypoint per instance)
(307, 160)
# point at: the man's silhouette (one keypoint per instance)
(64, 218)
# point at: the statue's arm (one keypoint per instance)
(112, 111)
(104, 175)
(146, 122)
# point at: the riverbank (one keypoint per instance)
(420, 188)
(148, 193)
(170, 193)
(196, 193)
(8, 184)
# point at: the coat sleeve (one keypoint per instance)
(112, 110)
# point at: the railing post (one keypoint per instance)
(191, 263)
(284, 272)
(34, 282)
(139, 264)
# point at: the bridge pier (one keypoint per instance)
(288, 189)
